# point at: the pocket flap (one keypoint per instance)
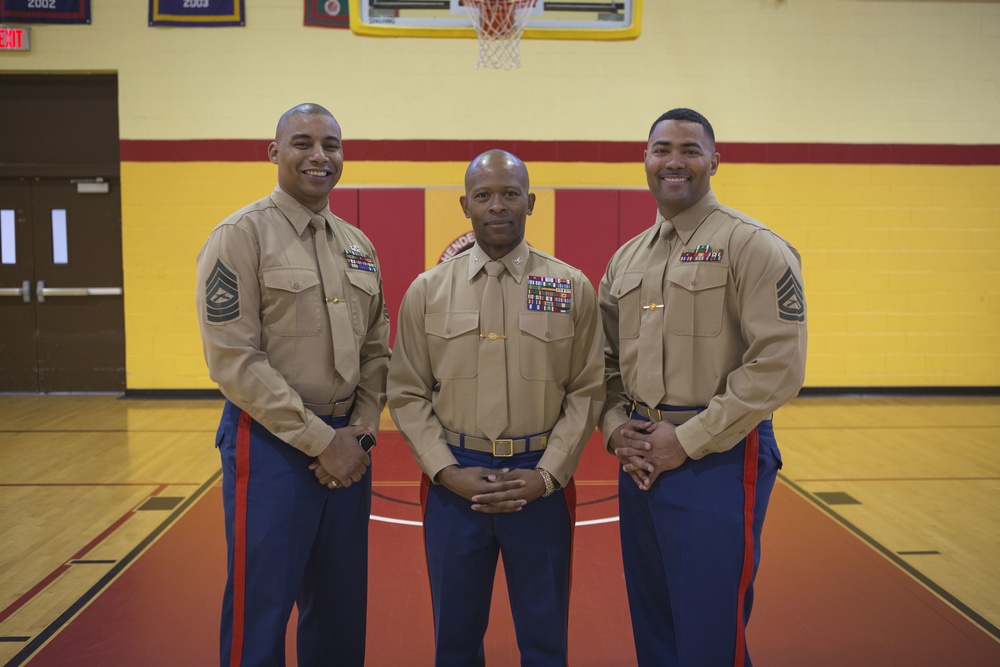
(366, 281)
(451, 324)
(547, 326)
(625, 283)
(695, 276)
(290, 278)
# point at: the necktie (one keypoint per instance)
(491, 416)
(652, 373)
(344, 352)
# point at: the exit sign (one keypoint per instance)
(15, 39)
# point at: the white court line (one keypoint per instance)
(404, 522)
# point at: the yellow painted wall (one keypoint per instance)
(899, 260)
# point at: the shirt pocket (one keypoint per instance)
(546, 345)
(626, 289)
(453, 343)
(293, 305)
(365, 290)
(696, 296)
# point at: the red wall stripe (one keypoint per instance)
(452, 150)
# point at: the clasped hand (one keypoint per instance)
(493, 491)
(343, 462)
(646, 449)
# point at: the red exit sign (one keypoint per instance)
(15, 39)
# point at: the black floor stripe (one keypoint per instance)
(52, 628)
(970, 613)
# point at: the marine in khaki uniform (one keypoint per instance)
(705, 322)
(496, 382)
(295, 334)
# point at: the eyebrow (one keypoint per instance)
(663, 142)
(305, 135)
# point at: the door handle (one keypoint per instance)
(41, 291)
(24, 291)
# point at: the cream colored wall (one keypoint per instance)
(850, 71)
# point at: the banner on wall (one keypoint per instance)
(197, 13)
(328, 13)
(44, 11)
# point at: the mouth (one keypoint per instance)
(672, 179)
(317, 173)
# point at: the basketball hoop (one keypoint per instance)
(499, 25)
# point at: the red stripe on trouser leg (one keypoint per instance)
(569, 493)
(240, 537)
(749, 498)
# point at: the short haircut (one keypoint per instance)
(688, 115)
(308, 108)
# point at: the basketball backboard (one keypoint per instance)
(582, 19)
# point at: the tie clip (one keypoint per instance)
(653, 306)
(492, 336)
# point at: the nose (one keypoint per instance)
(317, 154)
(497, 204)
(674, 159)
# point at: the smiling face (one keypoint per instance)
(307, 150)
(497, 201)
(680, 161)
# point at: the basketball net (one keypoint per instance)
(499, 25)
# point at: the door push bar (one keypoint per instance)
(41, 291)
(24, 291)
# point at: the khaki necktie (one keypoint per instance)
(344, 352)
(492, 413)
(652, 373)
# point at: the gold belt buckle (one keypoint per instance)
(510, 447)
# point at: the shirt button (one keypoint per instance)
(295, 285)
(448, 330)
(693, 283)
(548, 335)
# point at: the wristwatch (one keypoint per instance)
(550, 485)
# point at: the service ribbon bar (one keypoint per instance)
(197, 13)
(702, 253)
(552, 295)
(357, 259)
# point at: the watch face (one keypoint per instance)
(367, 442)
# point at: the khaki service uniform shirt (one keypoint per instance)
(553, 360)
(732, 311)
(265, 325)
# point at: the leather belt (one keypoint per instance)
(338, 409)
(502, 447)
(674, 415)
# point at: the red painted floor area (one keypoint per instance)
(824, 598)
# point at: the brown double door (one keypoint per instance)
(62, 323)
(62, 317)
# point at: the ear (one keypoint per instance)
(531, 202)
(715, 163)
(465, 206)
(272, 152)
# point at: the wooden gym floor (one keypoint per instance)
(881, 546)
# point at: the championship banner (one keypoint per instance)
(196, 13)
(44, 11)
(328, 13)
